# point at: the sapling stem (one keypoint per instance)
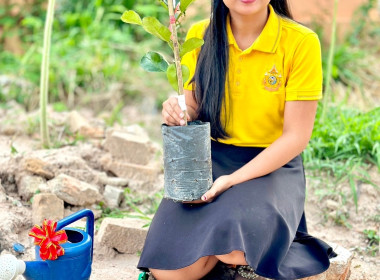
(177, 57)
(44, 80)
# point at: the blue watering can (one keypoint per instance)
(75, 264)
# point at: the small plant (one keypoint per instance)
(176, 73)
(373, 239)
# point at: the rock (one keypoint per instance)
(9, 167)
(28, 185)
(94, 208)
(79, 124)
(331, 204)
(113, 196)
(102, 251)
(67, 160)
(91, 154)
(38, 167)
(3, 195)
(76, 121)
(73, 191)
(129, 147)
(113, 181)
(130, 171)
(13, 220)
(339, 266)
(47, 206)
(125, 235)
(136, 130)
(146, 187)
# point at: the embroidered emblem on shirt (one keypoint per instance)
(272, 80)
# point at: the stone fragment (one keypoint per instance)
(3, 195)
(28, 185)
(73, 191)
(113, 181)
(47, 206)
(13, 220)
(331, 204)
(38, 167)
(94, 208)
(79, 124)
(125, 235)
(130, 171)
(129, 147)
(68, 161)
(76, 121)
(339, 266)
(113, 196)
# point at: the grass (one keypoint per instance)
(136, 206)
(343, 148)
(373, 239)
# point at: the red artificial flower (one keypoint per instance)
(49, 240)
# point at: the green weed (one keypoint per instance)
(372, 238)
(344, 146)
(136, 207)
(115, 115)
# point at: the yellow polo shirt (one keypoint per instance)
(283, 64)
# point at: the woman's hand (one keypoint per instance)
(220, 185)
(172, 113)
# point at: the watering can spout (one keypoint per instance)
(37, 270)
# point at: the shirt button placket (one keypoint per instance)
(238, 72)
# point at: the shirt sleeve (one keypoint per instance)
(305, 77)
(190, 58)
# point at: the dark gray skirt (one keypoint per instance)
(263, 217)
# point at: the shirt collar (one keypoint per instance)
(269, 38)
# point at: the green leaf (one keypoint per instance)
(156, 28)
(190, 45)
(154, 62)
(171, 74)
(185, 4)
(185, 73)
(13, 150)
(131, 17)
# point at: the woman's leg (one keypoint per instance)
(192, 272)
(235, 257)
(200, 268)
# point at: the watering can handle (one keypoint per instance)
(84, 213)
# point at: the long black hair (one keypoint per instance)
(212, 66)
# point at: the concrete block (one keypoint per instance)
(125, 235)
(129, 147)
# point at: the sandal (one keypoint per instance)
(246, 272)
